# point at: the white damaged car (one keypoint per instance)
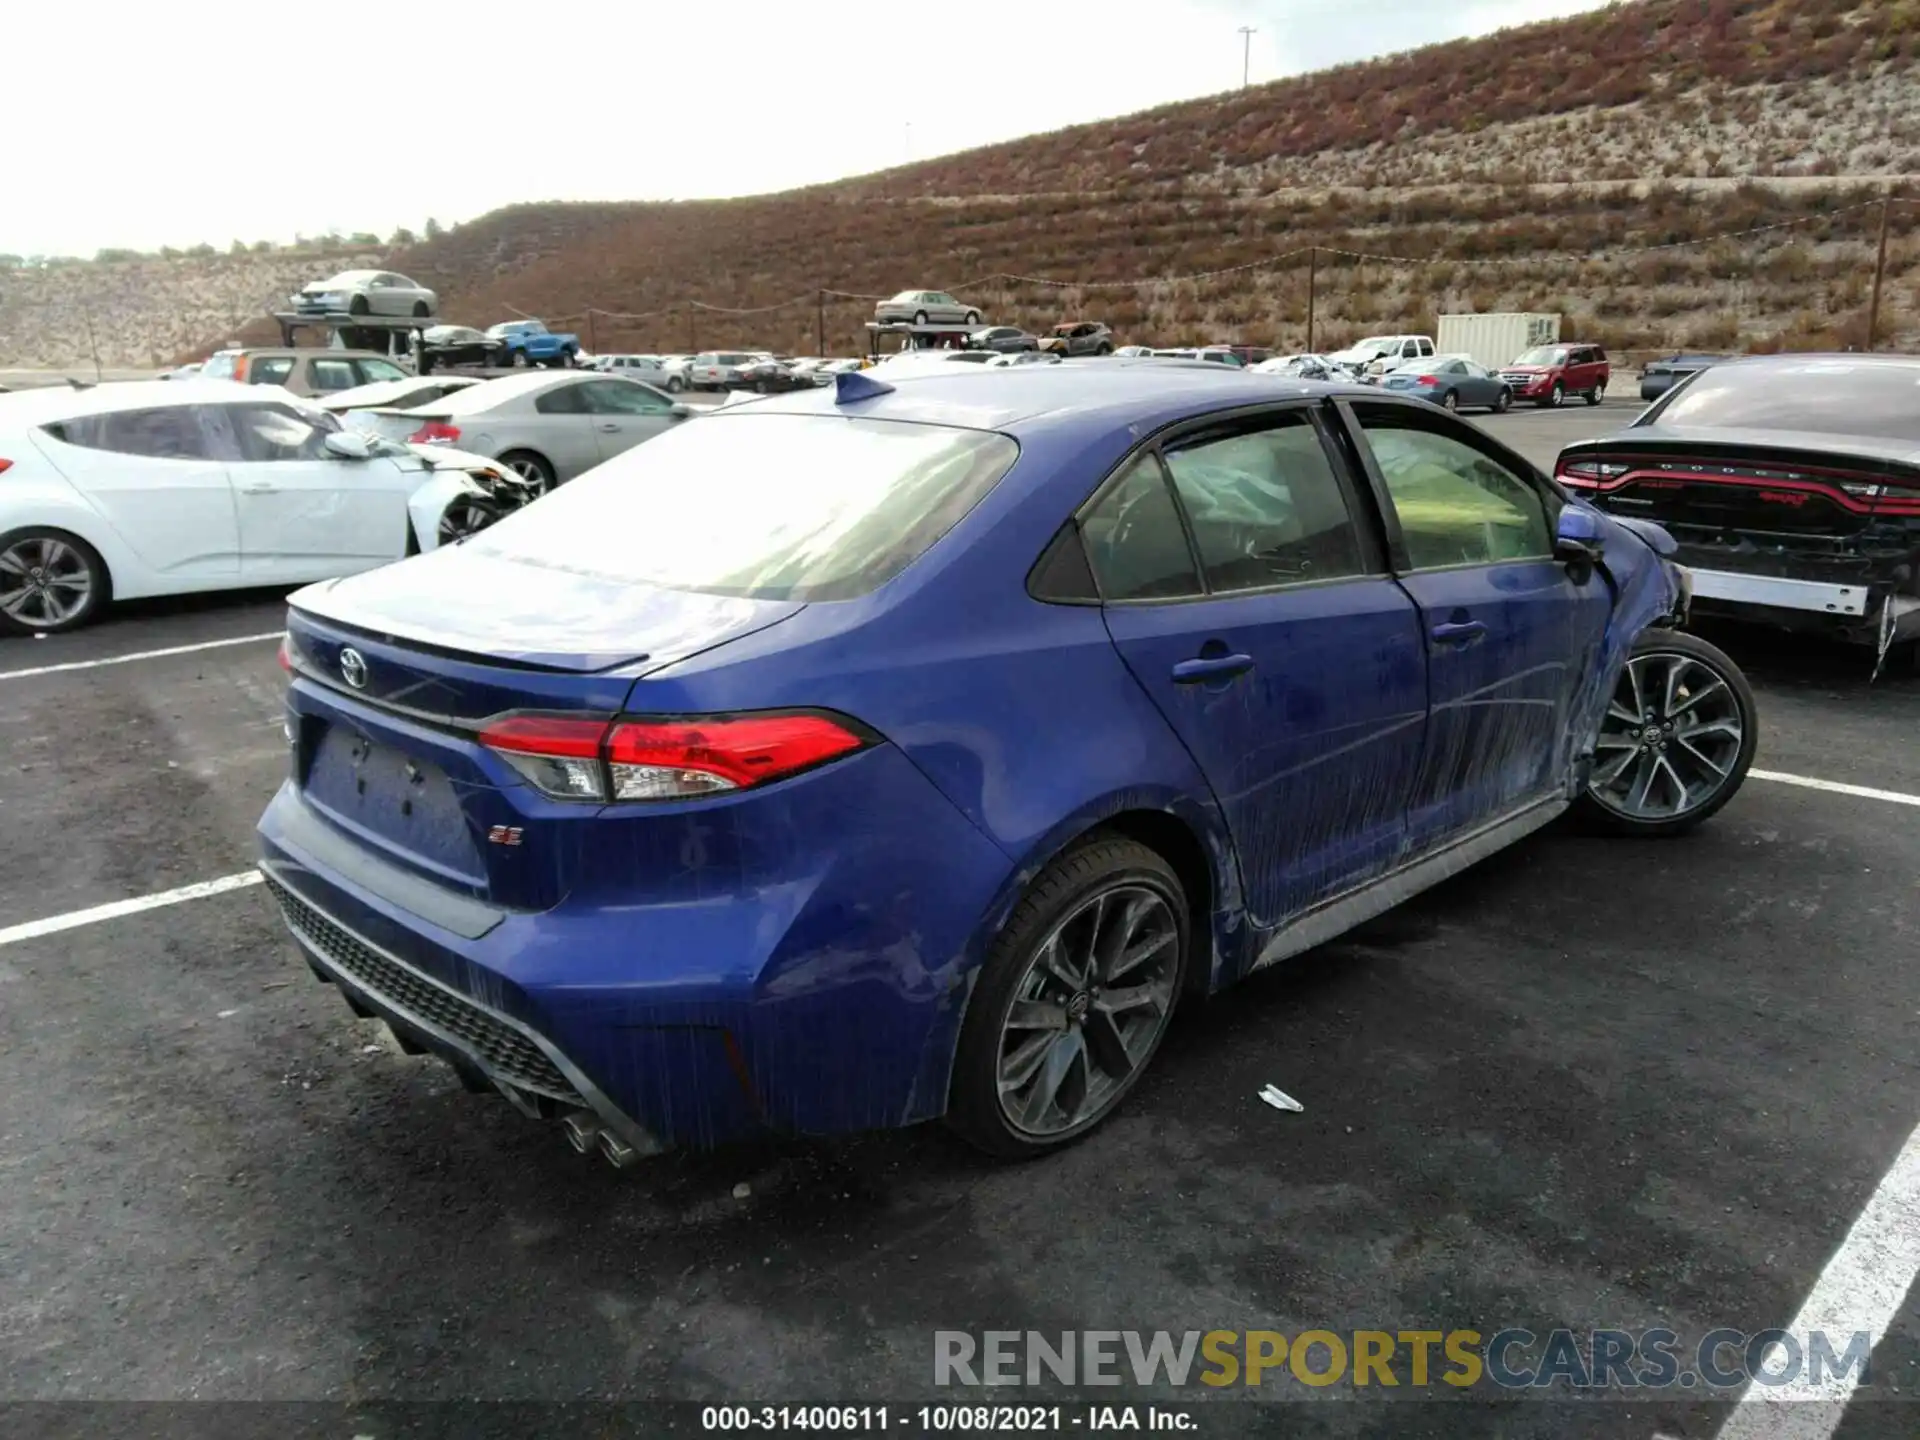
(121, 491)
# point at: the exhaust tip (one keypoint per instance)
(582, 1130)
(619, 1154)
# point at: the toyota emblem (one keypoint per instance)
(353, 668)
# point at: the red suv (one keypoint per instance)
(1548, 374)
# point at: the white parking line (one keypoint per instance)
(1861, 1289)
(73, 919)
(1807, 782)
(138, 655)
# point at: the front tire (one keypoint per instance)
(420, 311)
(1556, 397)
(50, 581)
(1073, 1001)
(1676, 741)
(1503, 402)
(467, 515)
(1450, 401)
(536, 470)
(973, 317)
(919, 317)
(675, 384)
(357, 305)
(521, 360)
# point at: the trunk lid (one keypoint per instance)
(385, 738)
(1767, 488)
(463, 601)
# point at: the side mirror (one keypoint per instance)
(680, 411)
(1577, 537)
(344, 445)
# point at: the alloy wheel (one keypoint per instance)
(463, 518)
(44, 583)
(529, 470)
(1671, 738)
(1088, 1012)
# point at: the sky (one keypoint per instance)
(140, 125)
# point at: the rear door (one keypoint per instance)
(1252, 603)
(1509, 635)
(625, 413)
(160, 477)
(326, 374)
(305, 514)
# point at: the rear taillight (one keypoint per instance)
(435, 432)
(286, 653)
(566, 758)
(1428, 380)
(5, 465)
(239, 368)
(1590, 472)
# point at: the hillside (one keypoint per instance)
(1532, 169)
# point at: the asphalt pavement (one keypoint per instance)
(1588, 1084)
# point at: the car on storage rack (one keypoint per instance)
(461, 345)
(649, 369)
(528, 342)
(1792, 484)
(118, 492)
(545, 428)
(883, 753)
(367, 292)
(1548, 374)
(1002, 338)
(925, 307)
(301, 371)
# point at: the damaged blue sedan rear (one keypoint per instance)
(910, 750)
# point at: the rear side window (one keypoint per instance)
(328, 375)
(373, 370)
(776, 507)
(271, 370)
(563, 400)
(171, 432)
(1135, 542)
(218, 367)
(1266, 508)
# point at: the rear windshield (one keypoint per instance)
(1823, 397)
(773, 507)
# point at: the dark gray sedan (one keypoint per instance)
(1451, 381)
(1660, 376)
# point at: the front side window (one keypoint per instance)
(1135, 542)
(776, 507)
(1456, 506)
(219, 367)
(280, 432)
(1266, 508)
(270, 370)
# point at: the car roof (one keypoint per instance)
(488, 393)
(44, 403)
(1027, 399)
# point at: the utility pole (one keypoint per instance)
(693, 331)
(1313, 276)
(593, 340)
(94, 345)
(820, 322)
(1879, 273)
(1247, 32)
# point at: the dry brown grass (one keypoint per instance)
(1528, 170)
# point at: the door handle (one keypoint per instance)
(261, 487)
(608, 425)
(1458, 631)
(1211, 667)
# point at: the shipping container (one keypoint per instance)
(1496, 340)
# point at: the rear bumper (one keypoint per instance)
(695, 1005)
(1862, 608)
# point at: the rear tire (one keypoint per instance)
(357, 305)
(50, 581)
(420, 311)
(1596, 395)
(1504, 403)
(1037, 1015)
(919, 317)
(1706, 739)
(1450, 400)
(973, 317)
(534, 468)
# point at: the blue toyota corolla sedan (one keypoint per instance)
(911, 749)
